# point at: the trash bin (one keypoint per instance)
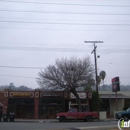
(5, 117)
(11, 117)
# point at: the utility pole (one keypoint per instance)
(95, 59)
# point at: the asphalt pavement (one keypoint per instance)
(53, 124)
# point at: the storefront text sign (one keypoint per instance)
(55, 95)
(81, 95)
(21, 94)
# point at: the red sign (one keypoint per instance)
(115, 84)
(113, 80)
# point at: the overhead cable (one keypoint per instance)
(68, 4)
(57, 23)
(57, 12)
(21, 67)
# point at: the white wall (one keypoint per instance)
(120, 103)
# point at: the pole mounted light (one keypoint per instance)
(95, 59)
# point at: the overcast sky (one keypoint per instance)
(34, 33)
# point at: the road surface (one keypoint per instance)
(53, 125)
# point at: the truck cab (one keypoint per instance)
(123, 114)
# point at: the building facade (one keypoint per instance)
(46, 104)
(40, 104)
(112, 102)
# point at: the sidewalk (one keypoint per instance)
(36, 120)
(54, 120)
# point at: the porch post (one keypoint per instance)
(36, 104)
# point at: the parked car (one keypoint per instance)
(73, 114)
(123, 114)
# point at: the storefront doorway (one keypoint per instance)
(22, 107)
(49, 107)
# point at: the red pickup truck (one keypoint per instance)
(73, 114)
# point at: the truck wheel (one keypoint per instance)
(125, 117)
(89, 118)
(62, 119)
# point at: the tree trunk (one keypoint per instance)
(78, 101)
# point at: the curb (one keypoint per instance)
(48, 121)
(52, 121)
(97, 127)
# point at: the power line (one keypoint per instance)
(30, 2)
(42, 49)
(60, 49)
(36, 43)
(15, 67)
(36, 78)
(21, 67)
(19, 76)
(2, 44)
(70, 13)
(47, 29)
(63, 23)
(111, 63)
(64, 19)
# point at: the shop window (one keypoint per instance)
(44, 108)
(21, 101)
(51, 101)
(11, 101)
(51, 111)
(84, 101)
(54, 102)
(59, 102)
(73, 101)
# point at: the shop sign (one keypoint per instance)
(52, 94)
(81, 95)
(20, 94)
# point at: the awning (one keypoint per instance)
(119, 96)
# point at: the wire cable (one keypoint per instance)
(16, 67)
(61, 49)
(30, 2)
(36, 78)
(57, 23)
(70, 13)
(18, 76)
(50, 29)
(58, 19)
(47, 29)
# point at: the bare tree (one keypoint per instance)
(67, 74)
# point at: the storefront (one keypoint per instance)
(50, 103)
(42, 104)
(84, 97)
(1, 101)
(22, 104)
